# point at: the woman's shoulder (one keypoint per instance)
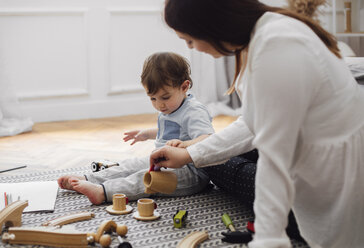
(283, 33)
(277, 25)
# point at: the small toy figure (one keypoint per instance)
(102, 165)
(179, 219)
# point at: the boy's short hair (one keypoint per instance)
(165, 69)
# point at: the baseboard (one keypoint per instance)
(56, 111)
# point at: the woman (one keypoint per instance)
(302, 110)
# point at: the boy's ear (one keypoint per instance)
(185, 85)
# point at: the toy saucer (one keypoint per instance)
(110, 210)
(155, 216)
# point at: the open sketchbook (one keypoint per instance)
(41, 196)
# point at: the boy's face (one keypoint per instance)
(169, 98)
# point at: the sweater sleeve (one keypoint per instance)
(216, 149)
(283, 77)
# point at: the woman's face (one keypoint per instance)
(199, 45)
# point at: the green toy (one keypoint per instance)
(179, 219)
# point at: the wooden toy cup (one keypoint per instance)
(146, 207)
(119, 202)
(160, 181)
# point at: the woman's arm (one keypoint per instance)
(215, 149)
(233, 140)
(188, 143)
(282, 83)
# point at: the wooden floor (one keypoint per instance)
(67, 144)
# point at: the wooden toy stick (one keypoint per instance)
(63, 220)
(47, 236)
(193, 239)
(11, 215)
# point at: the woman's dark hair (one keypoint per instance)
(231, 21)
(165, 69)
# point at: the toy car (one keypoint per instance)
(102, 165)
(179, 219)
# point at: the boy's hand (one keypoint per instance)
(184, 144)
(136, 135)
(178, 143)
(174, 142)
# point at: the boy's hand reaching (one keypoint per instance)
(136, 135)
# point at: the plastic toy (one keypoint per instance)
(102, 165)
(179, 219)
(234, 236)
(193, 239)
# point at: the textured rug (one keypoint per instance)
(204, 214)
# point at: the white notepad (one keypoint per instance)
(41, 196)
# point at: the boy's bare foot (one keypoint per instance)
(94, 192)
(64, 181)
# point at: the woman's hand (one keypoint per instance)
(136, 135)
(171, 157)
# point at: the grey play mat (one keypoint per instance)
(204, 214)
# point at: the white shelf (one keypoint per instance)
(361, 34)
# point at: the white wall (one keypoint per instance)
(76, 59)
